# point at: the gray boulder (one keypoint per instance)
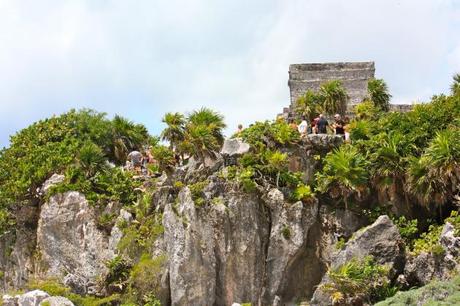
(448, 241)
(32, 298)
(52, 181)
(57, 301)
(380, 240)
(234, 146)
(9, 300)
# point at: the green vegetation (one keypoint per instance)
(197, 192)
(358, 279)
(412, 157)
(198, 135)
(303, 193)
(286, 232)
(435, 293)
(429, 241)
(344, 174)
(79, 144)
(332, 98)
(145, 280)
(54, 288)
(378, 93)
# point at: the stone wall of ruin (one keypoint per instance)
(354, 77)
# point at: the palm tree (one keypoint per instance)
(344, 174)
(308, 104)
(126, 136)
(174, 132)
(91, 159)
(435, 176)
(455, 87)
(389, 161)
(165, 158)
(334, 97)
(378, 93)
(201, 142)
(204, 133)
(276, 163)
(213, 120)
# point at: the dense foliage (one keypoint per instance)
(80, 144)
(332, 98)
(357, 281)
(435, 293)
(412, 157)
(200, 134)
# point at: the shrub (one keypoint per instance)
(358, 278)
(303, 193)
(286, 232)
(145, 278)
(54, 288)
(139, 237)
(407, 229)
(118, 274)
(197, 192)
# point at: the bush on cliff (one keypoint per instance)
(413, 156)
(79, 144)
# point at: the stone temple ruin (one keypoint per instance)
(353, 75)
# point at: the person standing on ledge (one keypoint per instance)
(322, 125)
(303, 128)
(338, 126)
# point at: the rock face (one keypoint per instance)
(241, 249)
(380, 240)
(70, 243)
(215, 255)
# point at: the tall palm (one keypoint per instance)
(435, 176)
(344, 174)
(91, 159)
(389, 163)
(165, 158)
(213, 120)
(378, 92)
(455, 87)
(174, 131)
(308, 104)
(204, 133)
(126, 136)
(334, 97)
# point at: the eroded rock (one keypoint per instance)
(70, 242)
(57, 301)
(381, 240)
(32, 298)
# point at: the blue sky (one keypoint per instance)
(141, 59)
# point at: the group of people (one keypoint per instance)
(320, 125)
(139, 162)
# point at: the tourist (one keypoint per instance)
(338, 126)
(239, 130)
(303, 127)
(135, 158)
(346, 128)
(292, 124)
(322, 125)
(314, 125)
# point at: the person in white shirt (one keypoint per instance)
(303, 127)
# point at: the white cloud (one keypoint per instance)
(143, 58)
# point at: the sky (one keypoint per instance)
(141, 59)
